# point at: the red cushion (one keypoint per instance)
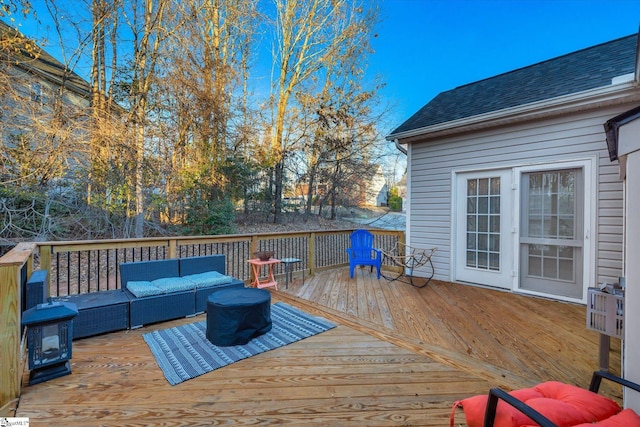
(626, 418)
(564, 404)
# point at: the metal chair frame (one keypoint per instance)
(409, 258)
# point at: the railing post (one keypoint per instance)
(45, 252)
(45, 257)
(173, 248)
(10, 337)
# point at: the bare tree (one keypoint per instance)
(313, 38)
(203, 99)
(146, 19)
(174, 125)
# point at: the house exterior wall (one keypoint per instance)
(29, 100)
(570, 137)
(30, 120)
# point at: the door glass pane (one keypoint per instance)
(494, 242)
(566, 227)
(483, 223)
(483, 204)
(494, 202)
(565, 269)
(494, 224)
(494, 261)
(471, 223)
(472, 186)
(471, 204)
(482, 260)
(471, 241)
(471, 259)
(483, 186)
(551, 204)
(535, 266)
(483, 244)
(495, 186)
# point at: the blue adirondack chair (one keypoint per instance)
(362, 251)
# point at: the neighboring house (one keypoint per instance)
(32, 83)
(375, 191)
(371, 190)
(402, 190)
(510, 176)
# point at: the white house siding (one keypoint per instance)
(575, 136)
(376, 189)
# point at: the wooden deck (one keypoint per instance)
(399, 356)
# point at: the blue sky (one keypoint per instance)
(425, 47)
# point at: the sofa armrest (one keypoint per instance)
(596, 380)
(496, 394)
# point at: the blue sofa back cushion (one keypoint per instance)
(149, 270)
(210, 278)
(143, 288)
(202, 264)
(173, 284)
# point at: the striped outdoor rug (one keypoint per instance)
(184, 352)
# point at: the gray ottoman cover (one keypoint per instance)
(235, 316)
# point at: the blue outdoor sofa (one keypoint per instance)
(161, 290)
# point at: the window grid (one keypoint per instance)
(551, 262)
(551, 216)
(483, 223)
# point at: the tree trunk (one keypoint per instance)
(139, 217)
(277, 196)
(309, 204)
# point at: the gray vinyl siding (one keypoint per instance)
(566, 138)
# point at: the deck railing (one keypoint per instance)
(91, 266)
(78, 267)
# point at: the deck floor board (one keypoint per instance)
(399, 356)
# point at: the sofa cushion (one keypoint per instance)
(210, 278)
(173, 284)
(565, 405)
(143, 288)
(625, 418)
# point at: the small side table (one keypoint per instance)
(288, 269)
(264, 282)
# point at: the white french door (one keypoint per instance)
(483, 228)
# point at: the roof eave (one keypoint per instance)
(580, 101)
(74, 83)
